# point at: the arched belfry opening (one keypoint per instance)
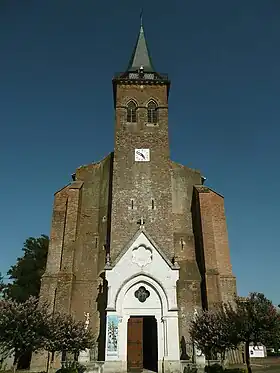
(152, 112)
(131, 112)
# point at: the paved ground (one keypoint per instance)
(268, 365)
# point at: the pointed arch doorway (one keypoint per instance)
(142, 344)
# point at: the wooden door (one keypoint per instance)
(135, 344)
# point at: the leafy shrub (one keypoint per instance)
(190, 369)
(275, 353)
(71, 367)
(215, 368)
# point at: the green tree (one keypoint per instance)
(27, 272)
(212, 333)
(68, 335)
(22, 327)
(255, 320)
(252, 320)
(31, 326)
(2, 285)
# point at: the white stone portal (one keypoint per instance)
(142, 282)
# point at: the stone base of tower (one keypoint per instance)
(166, 366)
(39, 364)
(170, 366)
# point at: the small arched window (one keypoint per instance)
(152, 112)
(131, 112)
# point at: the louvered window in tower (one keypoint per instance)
(152, 112)
(131, 112)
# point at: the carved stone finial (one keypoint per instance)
(108, 259)
(174, 260)
(141, 222)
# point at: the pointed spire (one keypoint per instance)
(141, 56)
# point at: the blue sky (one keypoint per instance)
(56, 109)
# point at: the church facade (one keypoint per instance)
(138, 242)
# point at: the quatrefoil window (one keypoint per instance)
(142, 294)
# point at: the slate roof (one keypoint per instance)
(141, 56)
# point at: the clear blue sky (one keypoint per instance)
(56, 109)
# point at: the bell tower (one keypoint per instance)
(141, 169)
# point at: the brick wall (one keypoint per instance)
(212, 247)
(188, 287)
(141, 182)
(95, 215)
(73, 281)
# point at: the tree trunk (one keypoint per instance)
(48, 362)
(15, 364)
(51, 360)
(16, 359)
(223, 358)
(247, 357)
